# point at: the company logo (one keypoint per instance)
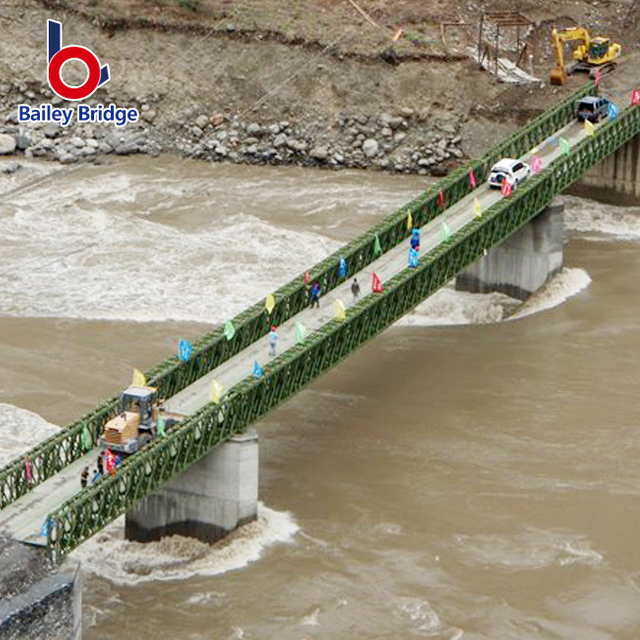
(97, 75)
(59, 55)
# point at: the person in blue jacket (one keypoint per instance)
(415, 239)
(315, 295)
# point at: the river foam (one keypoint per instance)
(108, 555)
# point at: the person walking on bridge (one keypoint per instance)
(84, 476)
(355, 290)
(273, 338)
(415, 239)
(315, 295)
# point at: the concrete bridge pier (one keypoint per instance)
(209, 500)
(523, 262)
(615, 180)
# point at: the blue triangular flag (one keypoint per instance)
(612, 111)
(185, 348)
(257, 370)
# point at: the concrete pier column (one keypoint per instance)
(616, 180)
(209, 500)
(523, 262)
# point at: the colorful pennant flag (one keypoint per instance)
(342, 268)
(597, 77)
(138, 379)
(635, 97)
(446, 232)
(27, 469)
(377, 249)
(612, 111)
(270, 303)
(534, 151)
(440, 199)
(299, 332)
(306, 277)
(377, 284)
(85, 439)
(484, 252)
(341, 310)
(413, 258)
(506, 188)
(216, 391)
(160, 425)
(409, 220)
(44, 529)
(185, 349)
(589, 129)
(257, 370)
(564, 145)
(477, 208)
(536, 164)
(229, 330)
(472, 179)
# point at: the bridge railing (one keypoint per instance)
(249, 400)
(173, 375)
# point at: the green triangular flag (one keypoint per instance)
(229, 330)
(446, 232)
(565, 147)
(86, 439)
(300, 331)
(377, 249)
(160, 425)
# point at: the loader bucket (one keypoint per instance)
(557, 77)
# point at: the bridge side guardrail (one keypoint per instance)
(91, 509)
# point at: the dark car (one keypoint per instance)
(592, 108)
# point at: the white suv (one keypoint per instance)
(515, 172)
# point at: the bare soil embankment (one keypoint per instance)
(311, 82)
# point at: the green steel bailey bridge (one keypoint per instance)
(459, 220)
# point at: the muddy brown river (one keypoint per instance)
(471, 473)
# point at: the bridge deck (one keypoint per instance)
(24, 518)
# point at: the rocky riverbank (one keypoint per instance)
(406, 140)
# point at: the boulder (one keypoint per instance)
(370, 147)
(216, 119)
(202, 121)
(319, 153)
(22, 141)
(11, 167)
(149, 116)
(7, 144)
(254, 129)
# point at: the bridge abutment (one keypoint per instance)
(213, 497)
(523, 262)
(616, 180)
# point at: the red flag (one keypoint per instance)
(377, 284)
(472, 179)
(27, 469)
(635, 98)
(440, 199)
(307, 277)
(506, 188)
(597, 77)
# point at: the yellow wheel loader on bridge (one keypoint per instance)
(592, 54)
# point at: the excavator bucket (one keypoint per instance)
(557, 76)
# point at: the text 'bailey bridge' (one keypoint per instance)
(43, 487)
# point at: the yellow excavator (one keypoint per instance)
(590, 55)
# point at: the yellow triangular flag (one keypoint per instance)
(534, 151)
(216, 391)
(270, 303)
(409, 220)
(341, 310)
(590, 130)
(477, 208)
(138, 379)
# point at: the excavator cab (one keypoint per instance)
(598, 50)
(140, 400)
